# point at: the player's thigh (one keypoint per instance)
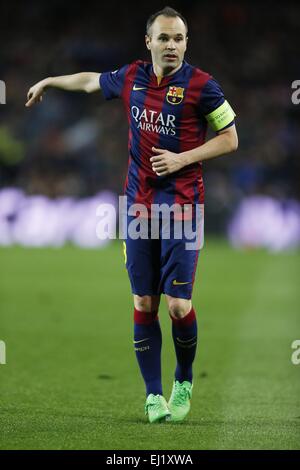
(178, 267)
(142, 258)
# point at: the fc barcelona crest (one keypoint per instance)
(175, 95)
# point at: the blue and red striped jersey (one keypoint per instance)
(168, 115)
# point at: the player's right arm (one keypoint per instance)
(84, 81)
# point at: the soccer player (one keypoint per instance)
(169, 104)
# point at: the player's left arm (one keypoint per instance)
(220, 116)
(166, 162)
(225, 142)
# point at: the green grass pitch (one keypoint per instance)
(71, 380)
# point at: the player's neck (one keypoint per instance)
(161, 73)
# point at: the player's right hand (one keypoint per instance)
(35, 93)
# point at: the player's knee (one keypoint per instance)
(179, 308)
(146, 303)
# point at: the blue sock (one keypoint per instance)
(147, 345)
(184, 332)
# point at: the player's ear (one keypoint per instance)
(186, 43)
(147, 41)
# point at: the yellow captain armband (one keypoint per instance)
(220, 117)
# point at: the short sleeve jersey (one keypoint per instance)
(171, 115)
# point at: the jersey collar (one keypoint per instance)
(166, 79)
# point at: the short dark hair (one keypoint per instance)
(169, 13)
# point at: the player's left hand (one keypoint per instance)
(165, 162)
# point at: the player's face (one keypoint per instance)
(167, 42)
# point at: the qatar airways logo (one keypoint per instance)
(152, 121)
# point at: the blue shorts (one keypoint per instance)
(162, 265)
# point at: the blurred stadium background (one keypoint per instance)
(75, 146)
(59, 159)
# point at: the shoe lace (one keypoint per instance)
(181, 394)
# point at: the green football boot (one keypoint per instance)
(156, 408)
(179, 403)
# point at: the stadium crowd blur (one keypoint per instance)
(74, 144)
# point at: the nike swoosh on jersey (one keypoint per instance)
(140, 341)
(176, 283)
(136, 88)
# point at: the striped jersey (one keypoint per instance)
(171, 115)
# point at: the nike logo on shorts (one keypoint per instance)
(176, 283)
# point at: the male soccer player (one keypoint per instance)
(169, 104)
